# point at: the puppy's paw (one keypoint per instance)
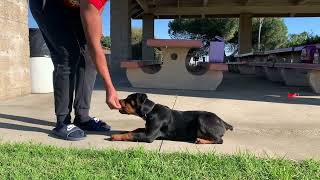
(197, 141)
(203, 141)
(116, 137)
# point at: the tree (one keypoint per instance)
(206, 29)
(259, 36)
(203, 28)
(136, 35)
(303, 39)
(106, 41)
(273, 31)
(136, 42)
(313, 39)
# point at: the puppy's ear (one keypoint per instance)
(142, 98)
(141, 107)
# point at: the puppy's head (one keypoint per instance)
(133, 104)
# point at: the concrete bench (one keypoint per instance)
(139, 64)
(301, 74)
(283, 55)
(244, 60)
(262, 63)
(267, 70)
(174, 72)
(234, 66)
(281, 65)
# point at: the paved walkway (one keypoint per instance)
(265, 120)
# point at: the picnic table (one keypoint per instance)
(173, 71)
(281, 65)
(301, 74)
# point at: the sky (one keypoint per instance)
(295, 25)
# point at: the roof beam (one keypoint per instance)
(302, 2)
(246, 2)
(243, 2)
(226, 10)
(135, 6)
(205, 3)
(143, 4)
(155, 2)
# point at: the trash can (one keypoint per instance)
(216, 51)
(41, 67)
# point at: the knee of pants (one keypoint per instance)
(61, 72)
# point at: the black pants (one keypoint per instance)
(74, 71)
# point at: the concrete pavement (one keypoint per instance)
(265, 120)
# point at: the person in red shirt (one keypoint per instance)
(72, 30)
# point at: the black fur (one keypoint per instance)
(162, 122)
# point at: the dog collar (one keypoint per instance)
(150, 109)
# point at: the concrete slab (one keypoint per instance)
(265, 120)
(260, 127)
(31, 119)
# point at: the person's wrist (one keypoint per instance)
(108, 86)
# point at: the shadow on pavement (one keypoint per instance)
(27, 120)
(234, 86)
(23, 128)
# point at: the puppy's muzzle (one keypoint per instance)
(122, 103)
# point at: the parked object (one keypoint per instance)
(316, 57)
(41, 69)
(307, 54)
(41, 66)
(216, 52)
(292, 95)
(38, 47)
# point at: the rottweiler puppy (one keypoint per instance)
(200, 127)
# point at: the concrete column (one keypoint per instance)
(120, 36)
(148, 33)
(14, 49)
(245, 33)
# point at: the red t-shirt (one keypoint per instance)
(98, 3)
(75, 3)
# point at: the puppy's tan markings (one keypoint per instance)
(122, 137)
(204, 141)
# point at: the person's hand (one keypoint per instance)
(112, 98)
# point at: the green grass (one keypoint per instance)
(30, 161)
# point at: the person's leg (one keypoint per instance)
(85, 74)
(64, 51)
(85, 79)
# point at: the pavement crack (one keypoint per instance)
(160, 145)
(175, 101)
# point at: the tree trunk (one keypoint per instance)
(259, 36)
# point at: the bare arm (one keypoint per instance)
(92, 24)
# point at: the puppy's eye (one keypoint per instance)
(132, 103)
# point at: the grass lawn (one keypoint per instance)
(29, 161)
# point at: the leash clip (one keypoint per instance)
(144, 116)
